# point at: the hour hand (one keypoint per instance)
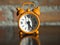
(29, 26)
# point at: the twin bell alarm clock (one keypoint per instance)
(29, 21)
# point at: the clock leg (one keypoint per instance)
(37, 32)
(21, 34)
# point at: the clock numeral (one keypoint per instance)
(28, 16)
(23, 19)
(25, 16)
(21, 22)
(33, 18)
(35, 22)
(32, 27)
(23, 26)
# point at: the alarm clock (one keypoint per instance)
(29, 21)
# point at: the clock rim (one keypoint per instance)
(35, 30)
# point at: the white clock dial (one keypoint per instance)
(28, 22)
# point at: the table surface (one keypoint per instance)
(48, 35)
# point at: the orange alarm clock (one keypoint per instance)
(29, 21)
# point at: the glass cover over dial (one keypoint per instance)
(28, 22)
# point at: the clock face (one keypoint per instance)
(28, 22)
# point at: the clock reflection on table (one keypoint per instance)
(30, 40)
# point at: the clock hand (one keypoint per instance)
(29, 26)
(28, 22)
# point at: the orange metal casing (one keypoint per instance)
(35, 12)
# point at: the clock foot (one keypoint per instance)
(37, 32)
(21, 33)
